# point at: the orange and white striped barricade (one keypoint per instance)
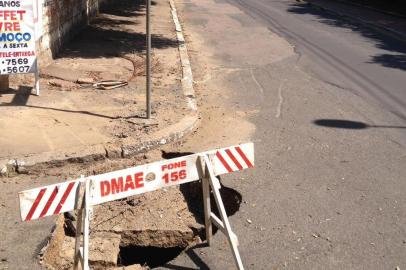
(84, 193)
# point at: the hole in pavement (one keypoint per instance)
(193, 194)
(169, 155)
(147, 256)
(150, 254)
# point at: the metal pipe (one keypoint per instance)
(148, 59)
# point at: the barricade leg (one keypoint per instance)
(37, 82)
(206, 202)
(82, 226)
(78, 253)
(87, 218)
(221, 223)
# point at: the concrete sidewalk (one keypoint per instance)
(71, 121)
(393, 25)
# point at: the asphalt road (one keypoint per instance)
(323, 100)
(327, 120)
(340, 51)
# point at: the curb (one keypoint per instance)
(382, 29)
(167, 135)
(187, 80)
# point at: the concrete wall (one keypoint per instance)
(58, 20)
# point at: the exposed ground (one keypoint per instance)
(328, 188)
(73, 113)
(129, 232)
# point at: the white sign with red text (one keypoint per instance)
(60, 198)
(17, 37)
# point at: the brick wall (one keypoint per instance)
(58, 20)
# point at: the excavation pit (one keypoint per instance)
(150, 257)
(144, 231)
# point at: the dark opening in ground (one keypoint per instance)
(193, 195)
(169, 155)
(147, 256)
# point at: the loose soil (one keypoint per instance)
(134, 230)
(166, 220)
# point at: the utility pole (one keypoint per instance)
(148, 59)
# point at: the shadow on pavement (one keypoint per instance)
(191, 253)
(125, 8)
(347, 124)
(113, 33)
(21, 96)
(193, 195)
(21, 99)
(396, 60)
(396, 6)
(391, 60)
